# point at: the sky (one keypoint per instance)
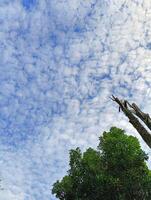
(60, 61)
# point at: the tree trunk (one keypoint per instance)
(134, 114)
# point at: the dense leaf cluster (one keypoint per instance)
(115, 171)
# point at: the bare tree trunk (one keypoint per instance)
(134, 114)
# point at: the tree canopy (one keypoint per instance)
(116, 170)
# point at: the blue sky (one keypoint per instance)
(60, 60)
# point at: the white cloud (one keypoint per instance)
(59, 63)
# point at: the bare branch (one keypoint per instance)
(130, 111)
(143, 116)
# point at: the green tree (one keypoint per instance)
(116, 170)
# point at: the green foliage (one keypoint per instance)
(117, 170)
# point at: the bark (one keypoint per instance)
(133, 113)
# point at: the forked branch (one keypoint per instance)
(133, 113)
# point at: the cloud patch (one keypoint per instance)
(59, 63)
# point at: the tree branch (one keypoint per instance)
(143, 116)
(130, 111)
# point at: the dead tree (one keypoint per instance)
(136, 116)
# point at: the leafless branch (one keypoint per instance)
(133, 112)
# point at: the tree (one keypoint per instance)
(116, 170)
(136, 116)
